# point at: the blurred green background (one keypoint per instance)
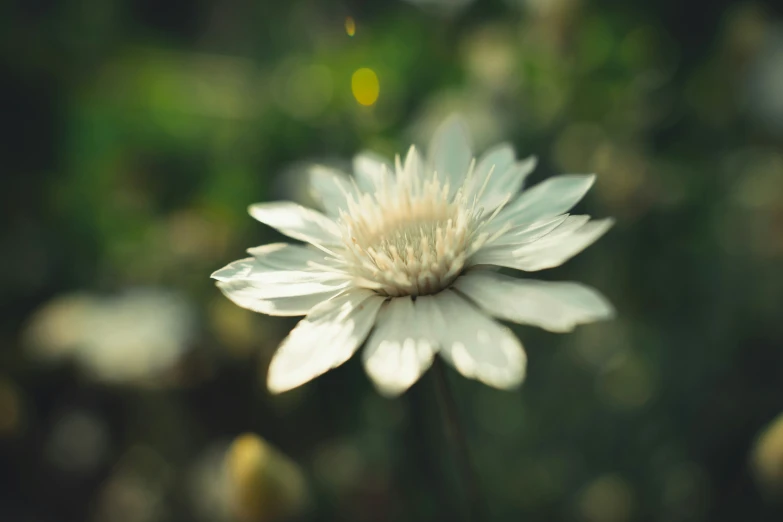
(135, 134)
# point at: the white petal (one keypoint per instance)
(269, 259)
(549, 253)
(507, 184)
(499, 250)
(549, 198)
(570, 225)
(450, 152)
(263, 278)
(331, 188)
(530, 232)
(255, 272)
(279, 280)
(285, 256)
(553, 249)
(543, 233)
(297, 222)
(495, 160)
(323, 340)
(234, 270)
(244, 294)
(557, 307)
(414, 166)
(402, 346)
(478, 347)
(372, 171)
(505, 176)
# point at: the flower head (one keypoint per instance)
(407, 254)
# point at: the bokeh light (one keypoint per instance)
(365, 86)
(350, 26)
(11, 409)
(606, 499)
(265, 484)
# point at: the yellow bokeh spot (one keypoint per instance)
(247, 456)
(365, 86)
(263, 483)
(350, 26)
(10, 408)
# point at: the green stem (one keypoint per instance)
(458, 441)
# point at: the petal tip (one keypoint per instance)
(510, 384)
(609, 313)
(589, 180)
(277, 384)
(390, 391)
(602, 226)
(254, 209)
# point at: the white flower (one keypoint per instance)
(135, 337)
(407, 254)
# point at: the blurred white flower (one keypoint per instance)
(130, 338)
(410, 252)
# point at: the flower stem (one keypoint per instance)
(458, 441)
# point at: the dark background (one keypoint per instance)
(135, 134)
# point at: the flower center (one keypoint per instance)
(411, 237)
